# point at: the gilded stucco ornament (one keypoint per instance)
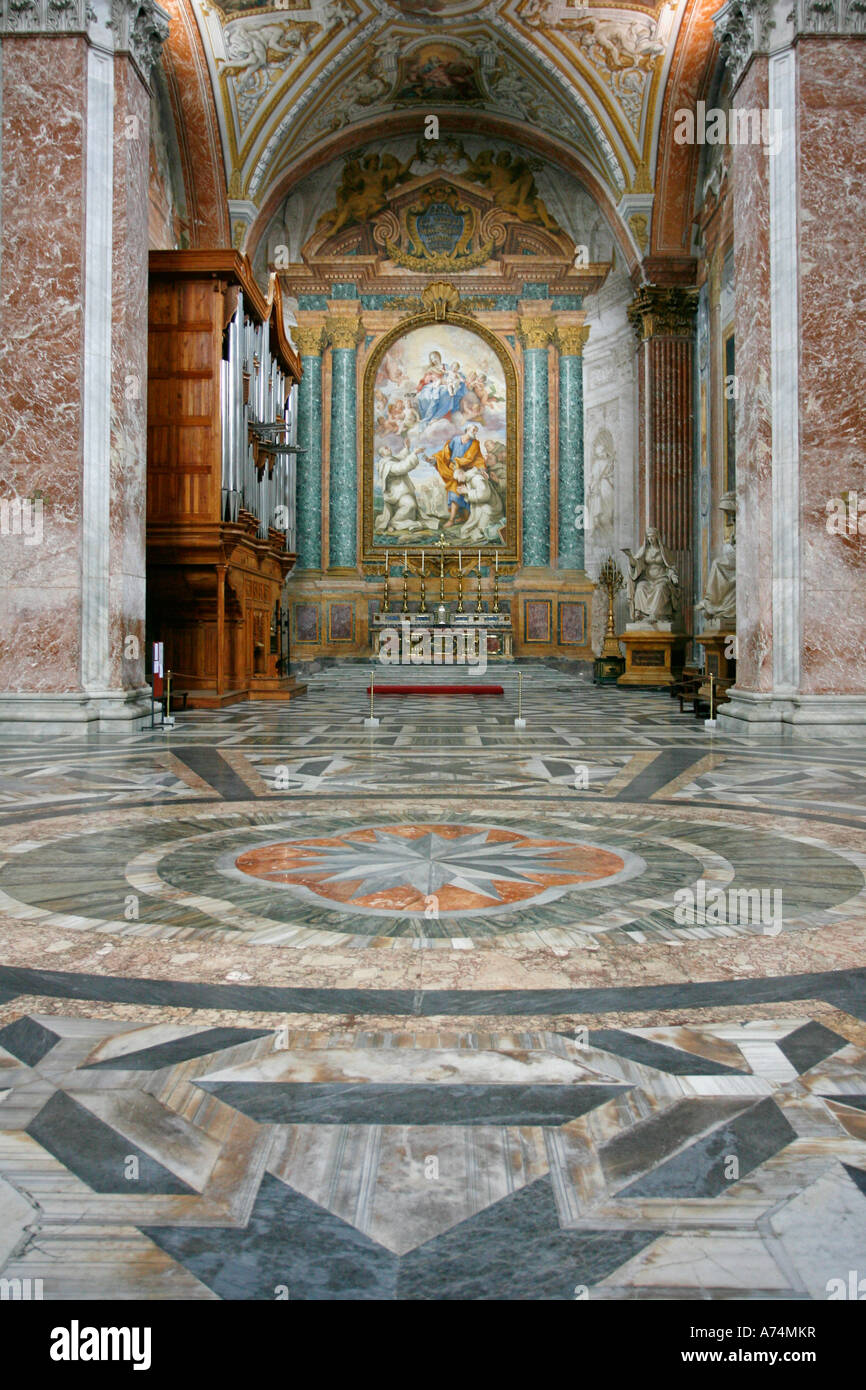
(439, 298)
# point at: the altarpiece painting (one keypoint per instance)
(439, 466)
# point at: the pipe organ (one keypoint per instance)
(222, 446)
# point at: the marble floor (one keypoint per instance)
(441, 1010)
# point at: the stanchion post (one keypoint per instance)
(168, 720)
(520, 722)
(711, 722)
(371, 722)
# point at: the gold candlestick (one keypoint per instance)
(441, 545)
(611, 580)
(422, 607)
(496, 592)
(479, 606)
(460, 608)
(405, 607)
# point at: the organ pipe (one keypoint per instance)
(258, 408)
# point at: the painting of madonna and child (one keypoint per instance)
(439, 441)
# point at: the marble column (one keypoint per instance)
(308, 501)
(572, 528)
(801, 354)
(343, 335)
(536, 334)
(74, 133)
(664, 321)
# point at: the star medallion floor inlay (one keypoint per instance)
(438, 868)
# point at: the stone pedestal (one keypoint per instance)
(652, 657)
(606, 670)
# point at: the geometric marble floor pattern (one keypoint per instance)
(226, 1162)
(289, 1007)
(354, 873)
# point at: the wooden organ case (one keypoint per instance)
(222, 412)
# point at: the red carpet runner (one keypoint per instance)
(437, 690)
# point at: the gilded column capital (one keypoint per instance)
(536, 331)
(660, 311)
(572, 339)
(344, 332)
(309, 339)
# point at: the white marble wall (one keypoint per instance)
(610, 434)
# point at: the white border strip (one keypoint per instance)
(96, 393)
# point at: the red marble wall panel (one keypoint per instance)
(677, 165)
(832, 369)
(198, 132)
(41, 340)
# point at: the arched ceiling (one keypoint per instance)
(294, 81)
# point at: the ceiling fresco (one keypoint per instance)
(296, 82)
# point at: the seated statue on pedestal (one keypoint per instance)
(653, 584)
(719, 603)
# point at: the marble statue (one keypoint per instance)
(653, 584)
(719, 603)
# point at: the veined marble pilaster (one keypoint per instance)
(798, 249)
(309, 470)
(343, 335)
(535, 335)
(572, 530)
(75, 140)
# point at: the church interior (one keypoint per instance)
(432, 628)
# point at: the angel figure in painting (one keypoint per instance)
(653, 583)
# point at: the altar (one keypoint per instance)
(441, 638)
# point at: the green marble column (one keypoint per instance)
(571, 532)
(343, 473)
(535, 335)
(308, 484)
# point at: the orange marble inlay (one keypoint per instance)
(465, 867)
